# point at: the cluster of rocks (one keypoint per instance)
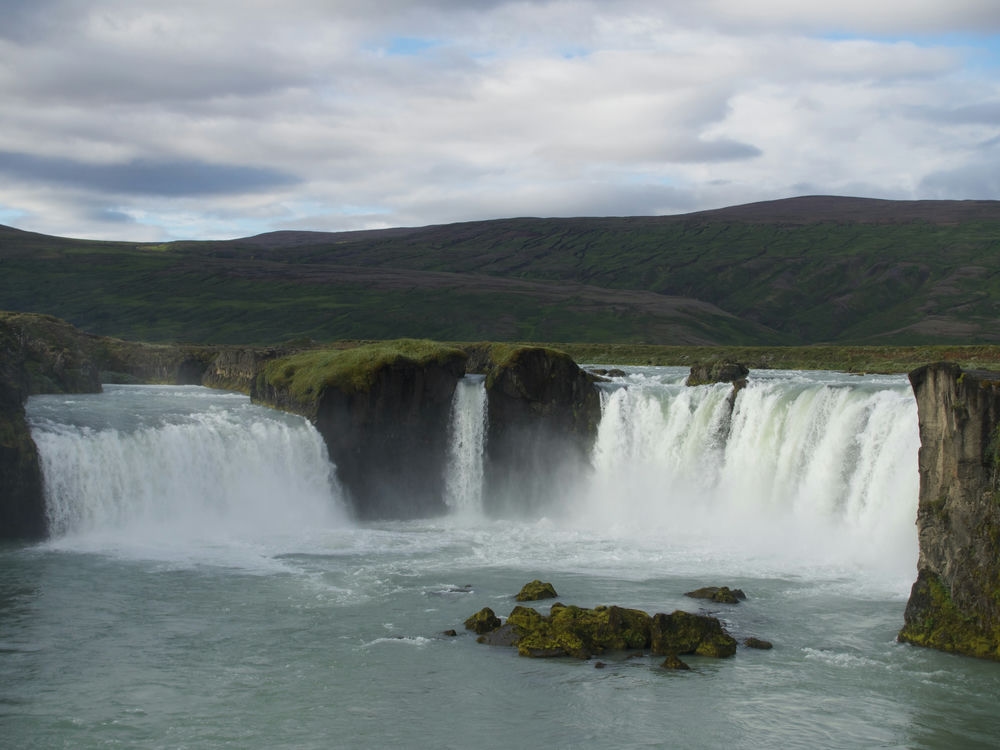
(583, 632)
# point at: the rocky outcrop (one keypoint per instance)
(718, 594)
(237, 369)
(718, 372)
(38, 354)
(955, 603)
(543, 413)
(384, 412)
(536, 590)
(582, 632)
(22, 509)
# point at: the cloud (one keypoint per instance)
(139, 177)
(226, 118)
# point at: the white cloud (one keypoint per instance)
(228, 118)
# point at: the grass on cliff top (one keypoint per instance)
(307, 374)
(854, 359)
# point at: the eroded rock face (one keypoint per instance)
(955, 603)
(718, 372)
(38, 354)
(22, 507)
(543, 415)
(390, 442)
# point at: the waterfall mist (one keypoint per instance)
(164, 465)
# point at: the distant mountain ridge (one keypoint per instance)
(796, 271)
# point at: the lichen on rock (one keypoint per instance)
(685, 633)
(718, 594)
(535, 590)
(483, 621)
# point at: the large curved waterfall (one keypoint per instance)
(804, 466)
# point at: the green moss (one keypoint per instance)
(686, 633)
(484, 621)
(307, 374)
(536, 590)
(935, 621)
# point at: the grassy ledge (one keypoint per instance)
(304, 376)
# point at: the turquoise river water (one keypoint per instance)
(206, 587)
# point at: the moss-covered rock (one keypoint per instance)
(535, 590)
(484, 621)
(718, 594)
(581, 633)
(673, 661)
(686, 633)
(706, 373)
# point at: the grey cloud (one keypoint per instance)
(721, 149)
(980, 113)
(980, 180)
(143, 177)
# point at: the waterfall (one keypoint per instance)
(170, 463)
(817, 464)
(464, 477)
(806, 465)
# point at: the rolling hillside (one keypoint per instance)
(798, 271)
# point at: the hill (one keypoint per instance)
(797, 271)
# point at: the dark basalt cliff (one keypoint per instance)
(390, 443)
(22, 514)
(543, 413)
(383, 411)
(955, 603)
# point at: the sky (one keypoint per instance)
(152, 121)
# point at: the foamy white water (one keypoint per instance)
(808, 468)
(204, 588)
(464, 480)
(139, 466)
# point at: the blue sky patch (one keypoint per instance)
(409, 46)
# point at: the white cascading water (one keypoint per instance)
(464, 477)
(814, 466)
(220, 470)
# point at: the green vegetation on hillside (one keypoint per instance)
(884, 272)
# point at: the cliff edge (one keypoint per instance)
(955, 603)
(383, 411)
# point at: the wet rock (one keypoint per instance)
(758, 643)
(506, 635)
(718, 594)
(686, 633)
(673, 661)
(536, 590)
(717, 372)
(543, 413)
(483, 621)
(581, 633)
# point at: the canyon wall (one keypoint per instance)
(955, 603)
